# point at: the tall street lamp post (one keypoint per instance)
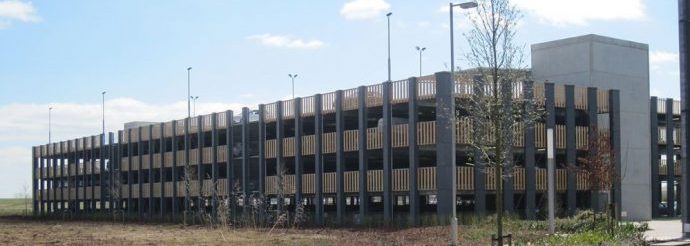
(420, 49)
(465, 5)
(50, 112)
(189, 96)
(388, 17)
(293, 76)
(103, 110)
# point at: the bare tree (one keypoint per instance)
(494, 111)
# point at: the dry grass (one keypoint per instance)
(17, 231)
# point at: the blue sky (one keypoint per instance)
(64, 53)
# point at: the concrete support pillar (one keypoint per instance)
(187, 166)
(592, 114)
(173, 142)
(615, 126)
(262, 148)
(570, 149)
(101, 177)
(299, 161)
(445, 148)
(62, 175)
(161, 150)
(530, 154)
(140, 171)
(339, 157)
(654, 153)
(413, 149)
(41, 178)
(229, 161)
(387, 153)
(214, 166)
(130, 179)
(200, 204)
(150, 210)
(112, 169)
(318, 160)
(35, 152)
(280, 160)
(54, 180)
(670, 162)
(245, 155)
(363, 156)
(92, 163)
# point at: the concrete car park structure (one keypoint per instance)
(377, 150)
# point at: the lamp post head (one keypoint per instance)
(103, 93)
(189, 68)
(389, 14)
(468, 5)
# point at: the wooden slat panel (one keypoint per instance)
(375, 180)
(426, 177)
(465, 178)
(168, 159)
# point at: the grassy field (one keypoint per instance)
(15, 206)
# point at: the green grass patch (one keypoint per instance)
(15, 206)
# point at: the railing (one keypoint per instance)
(426, 177)
(677, 167)
(661, 106)
(426, 135)
(676, 135)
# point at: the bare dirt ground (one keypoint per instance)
(20, 231)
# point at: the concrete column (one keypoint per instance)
(101, 177)
(173, 142)
(262, 148)
(245, 154)
(214, 166)
(150, 209)
(130, 179)
(362, 152)
(530, 151)
(280, 161)
(654, 150)
(413, 148)
(199, 163)
(592, 112)
(112, 167)
(35, 151)
(187, 166)
(85, 158)
(445, 148)
(299, 161)
(670, 162)
(92, 152)
(318, 160)
(615, 125)
(570, 149)
(339, 157)
(229, 161)
(62, 175)
(387, 153)
(41, 186)
(140, 177)
(161, 151)
(55, 178)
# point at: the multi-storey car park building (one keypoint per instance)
(318, 138)
(665, 147)
(321, 141)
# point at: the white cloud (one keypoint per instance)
(29, 122)
(286, 41)
(364, 9)
(561, 12)
(656, 57)
(14, 10)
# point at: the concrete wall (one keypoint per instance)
(604, 62)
